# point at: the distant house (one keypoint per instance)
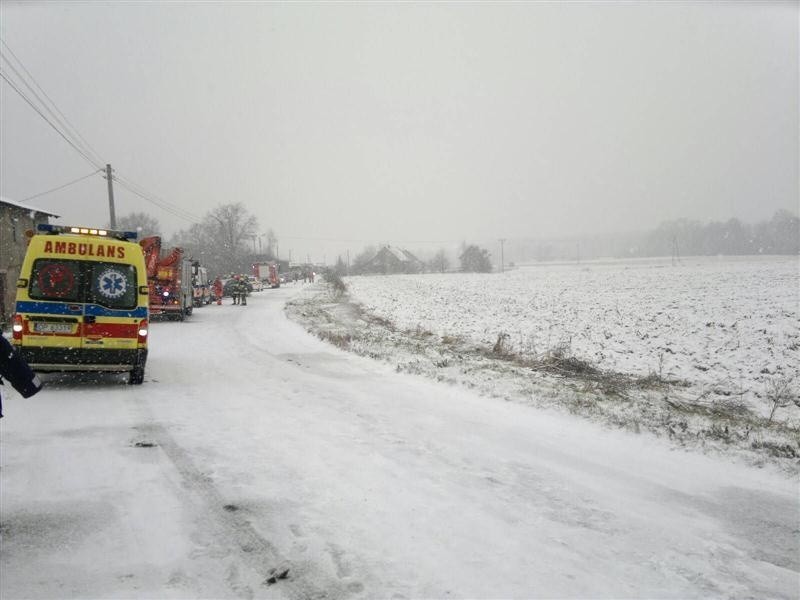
(393, 260)
(15, 219)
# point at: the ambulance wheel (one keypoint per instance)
(137, 375)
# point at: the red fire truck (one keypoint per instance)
(169, 278)
(268, 273)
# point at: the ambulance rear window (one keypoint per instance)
(112, 285)
(56, 280)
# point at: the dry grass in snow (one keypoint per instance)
(705, 352)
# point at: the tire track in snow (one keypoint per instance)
(229, 524)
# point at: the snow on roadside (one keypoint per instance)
(687, 351)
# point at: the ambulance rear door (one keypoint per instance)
(53, 311)
(111, 315)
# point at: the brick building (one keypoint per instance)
(15, 219)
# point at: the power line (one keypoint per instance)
(153, 199)
(49, 122)
(61, 187)
(73, 137)
(70, 129)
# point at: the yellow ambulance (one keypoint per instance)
(82, 302)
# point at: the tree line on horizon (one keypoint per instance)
(779, 235)
(225, 241)
(470, 259)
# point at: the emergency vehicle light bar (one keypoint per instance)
(52, 229)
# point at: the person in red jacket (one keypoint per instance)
(218, 290)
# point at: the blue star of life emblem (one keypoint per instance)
(112, 284)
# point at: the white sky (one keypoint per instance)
(350, 123)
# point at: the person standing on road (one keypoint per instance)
(235, 289)
(218, 290)
(242, 290)
(14, 368)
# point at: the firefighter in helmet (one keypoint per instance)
(242, 288)
(235, 289)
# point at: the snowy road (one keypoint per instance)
(253, 447)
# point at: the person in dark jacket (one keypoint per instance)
(243, 289)
(16, 371)
(235, 289)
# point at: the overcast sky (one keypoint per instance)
(342, 124)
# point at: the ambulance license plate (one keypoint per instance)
(52, 327)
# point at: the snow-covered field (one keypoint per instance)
(704, 352)
(730, 327)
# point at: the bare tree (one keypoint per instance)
(222, 241)
(230, 228)
(475, 260)
(360, 261)
(780, 393)
(439, 262)
(142, 223)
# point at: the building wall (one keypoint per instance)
(386, 263)
(14, 221)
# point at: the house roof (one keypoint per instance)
(403, 256)
(10, 202)
(398, 254)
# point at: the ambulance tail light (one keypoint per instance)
(141, 337)
(16, 327)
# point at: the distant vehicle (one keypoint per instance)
(169, 277)
(268, 273)
(227, 287)
(255, 283)
(201, 286)
(261, 270)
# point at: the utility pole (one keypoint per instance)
(502, 257)
(676, 256)
(112, 217)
